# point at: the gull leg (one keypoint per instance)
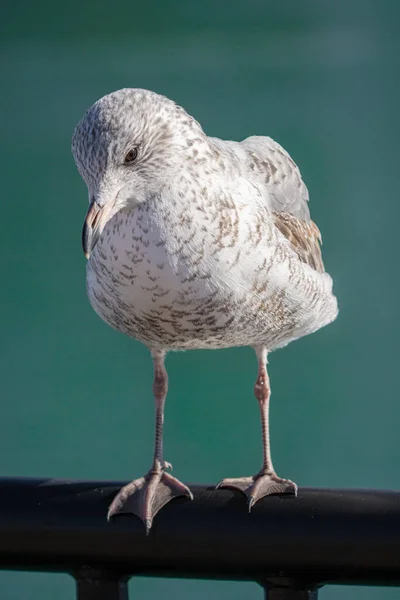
(145, 496)
(266, 482)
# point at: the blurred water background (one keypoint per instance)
(320, 77)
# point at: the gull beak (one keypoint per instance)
(96, 218)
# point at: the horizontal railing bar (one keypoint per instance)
(322, 536)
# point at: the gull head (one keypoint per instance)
(127, 147)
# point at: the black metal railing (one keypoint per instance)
(290, 546)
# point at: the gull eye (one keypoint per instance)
(131, 156)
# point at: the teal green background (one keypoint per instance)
(320, 77)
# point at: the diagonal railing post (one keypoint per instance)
(97, 584)
(284, 593)
(288, 588)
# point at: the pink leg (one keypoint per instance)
(145, 496)
(262, 392)
(266, 482)
(160, 389)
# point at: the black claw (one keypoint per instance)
(252, 501)
(148, 523)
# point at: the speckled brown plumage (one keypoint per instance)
(196, 242)
(304, 237)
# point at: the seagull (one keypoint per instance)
(196, 242)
